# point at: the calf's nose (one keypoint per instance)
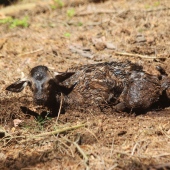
(39, 98)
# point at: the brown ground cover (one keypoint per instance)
(62, 35)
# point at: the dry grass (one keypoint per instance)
(110, 140)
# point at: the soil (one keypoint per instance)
(72, 34)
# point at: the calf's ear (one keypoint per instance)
(61, 76)
(18, 86)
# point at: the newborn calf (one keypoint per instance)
(120, 85)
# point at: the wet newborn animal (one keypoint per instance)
(120, 85)
(43, 83)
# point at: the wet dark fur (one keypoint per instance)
(120, 85)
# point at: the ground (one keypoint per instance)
(62, 34)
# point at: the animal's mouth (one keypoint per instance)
(40, 99)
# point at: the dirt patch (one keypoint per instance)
(74, 33)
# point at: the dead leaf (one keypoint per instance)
(17, 122)
(83, 51)
(110, 46)
(101, 45)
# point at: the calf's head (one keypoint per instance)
(42, 82)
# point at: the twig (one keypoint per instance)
(112, 148)
(99, 11)
(51, 133)
(92, 23)
(160, 155)
(134, 148)
(59, 131)
(128, 154)
(61, 102)
(141, 156)
(86, 160)
(159, 9)
(137, 55)
(31, 52)
(114, 166)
